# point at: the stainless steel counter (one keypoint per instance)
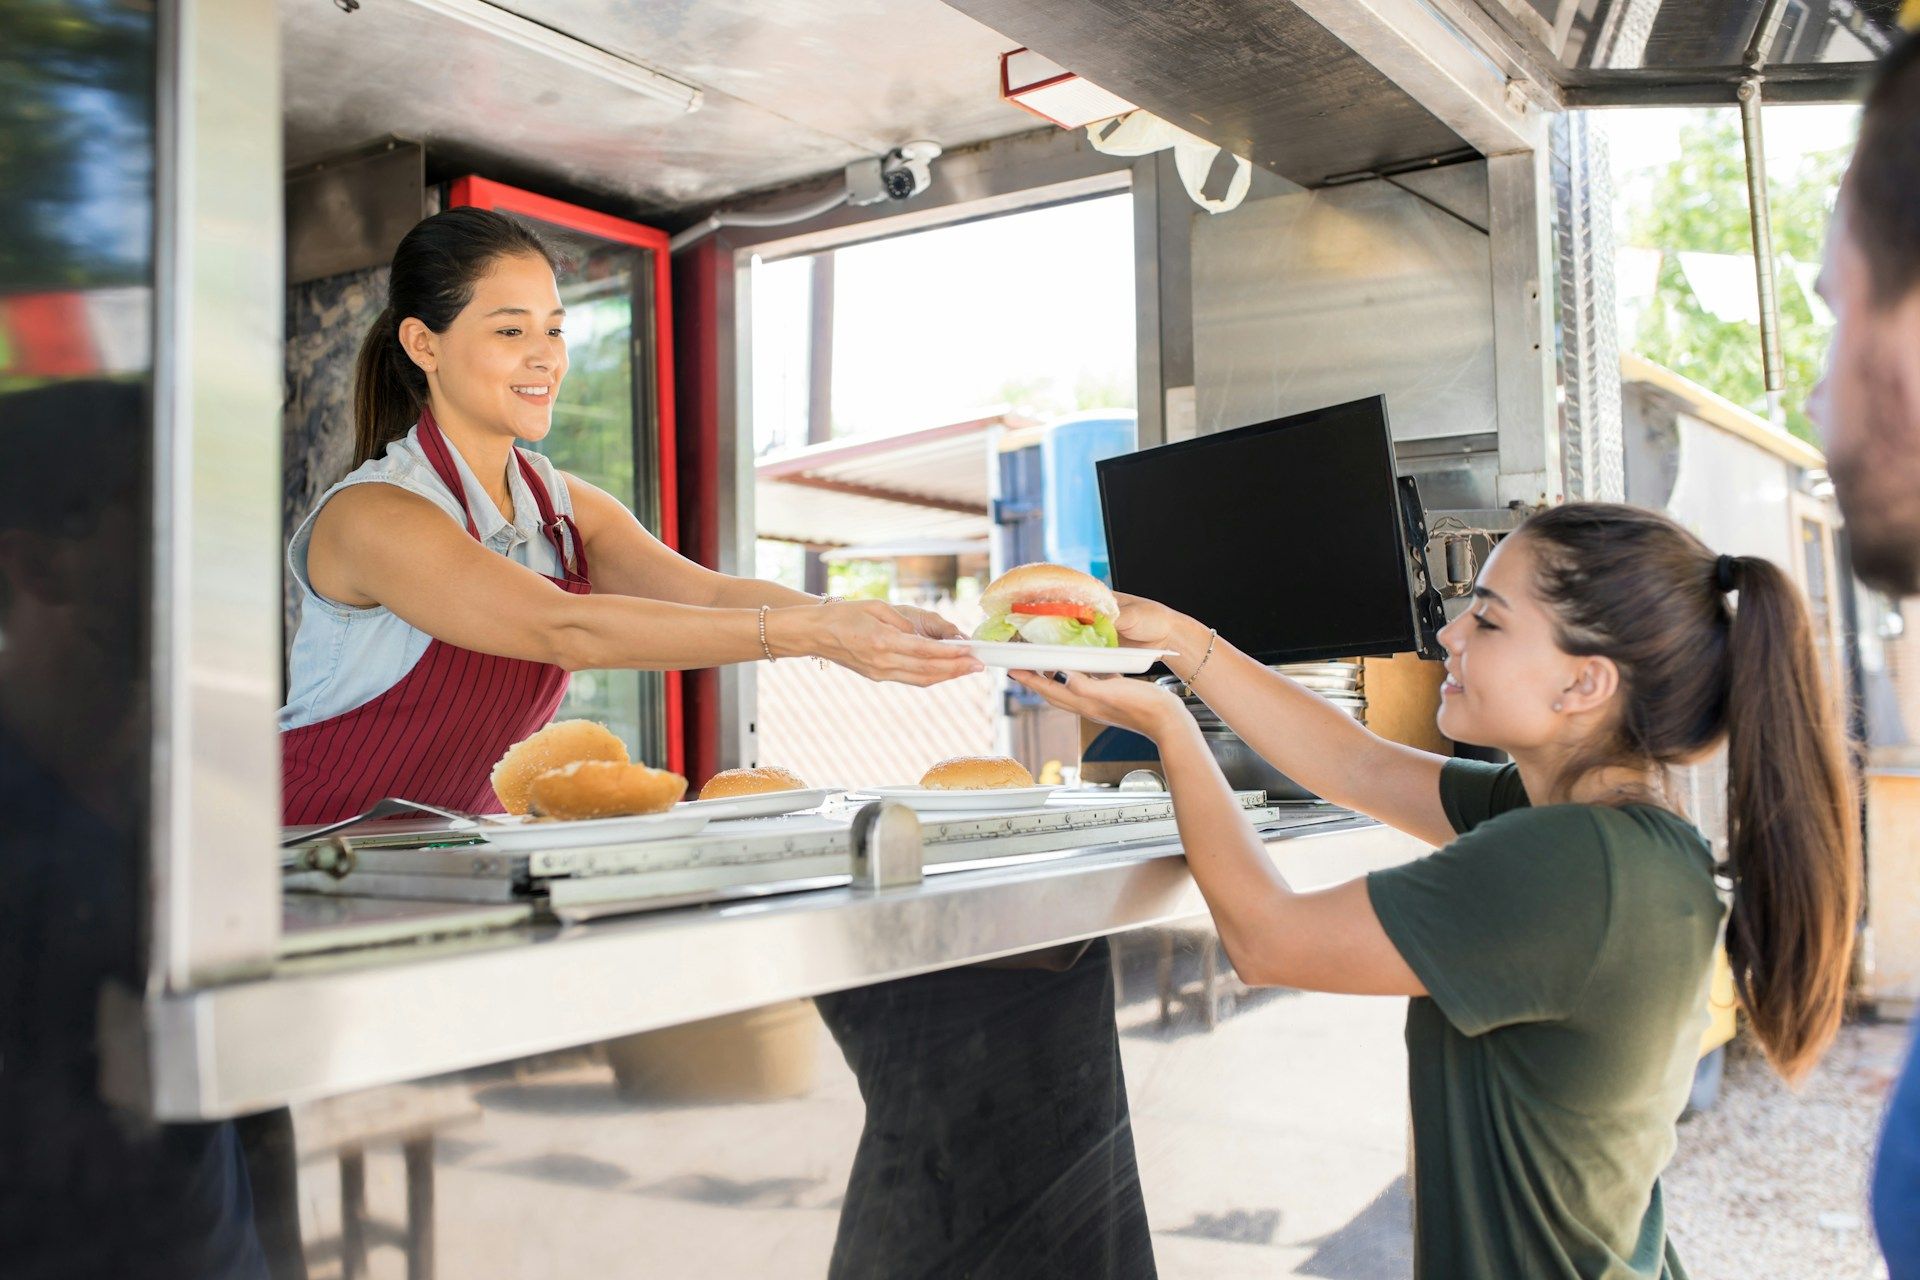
(325, 1024)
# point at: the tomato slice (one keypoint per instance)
(1044, 609)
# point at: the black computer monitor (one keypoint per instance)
(1286, 535)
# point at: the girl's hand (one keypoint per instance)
(1148, 624)
(1138, 705)
(870, 637)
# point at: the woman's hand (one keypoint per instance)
(1138, 705)
(928, 623)
(875, 639)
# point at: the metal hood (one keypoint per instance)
(791, 89)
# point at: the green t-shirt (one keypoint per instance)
(1566, 951)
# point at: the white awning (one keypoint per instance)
(915, 487)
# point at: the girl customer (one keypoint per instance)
(1559, 944)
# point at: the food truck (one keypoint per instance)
(855, 1039)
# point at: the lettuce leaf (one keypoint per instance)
(1048, 630)
(998, 629)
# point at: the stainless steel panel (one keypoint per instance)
(1263, 80)
(350, 215)
(1441, 65)
(1526, 368)
(792, 90)
(1331, 295)
(1592, 442)
(329, 1024)
(216, 675)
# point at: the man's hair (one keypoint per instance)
(1883, 185)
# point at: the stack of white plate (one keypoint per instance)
(1341, 683)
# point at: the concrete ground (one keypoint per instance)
(1273, 1145)
(1771, 1183)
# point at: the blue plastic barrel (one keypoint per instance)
(1075, 535)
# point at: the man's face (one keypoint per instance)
(1867, 406)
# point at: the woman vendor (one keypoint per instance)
(453, 580)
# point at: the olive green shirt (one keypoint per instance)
(1566, 951)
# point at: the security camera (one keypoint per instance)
(902, 173)
(908, 169)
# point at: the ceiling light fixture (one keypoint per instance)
(565, 49)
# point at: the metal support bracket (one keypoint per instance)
(887, 853)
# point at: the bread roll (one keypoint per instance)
(560, 743)
(729, 783)
(976, 773)
(1053, 583)
(603, 789)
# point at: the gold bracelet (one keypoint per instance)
(764, 646)
(1187, 684)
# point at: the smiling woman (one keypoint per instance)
(445, 589)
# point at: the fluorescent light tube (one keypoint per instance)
(565, 49)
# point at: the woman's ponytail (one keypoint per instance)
(1711, 649)
(1793, 838)
(434, 272)
(388, 389)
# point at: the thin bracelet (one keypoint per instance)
(764, 646)
(1212, 635)
(819, 661)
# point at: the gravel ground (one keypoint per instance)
(1771, 1183)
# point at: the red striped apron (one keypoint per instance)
(436, 735)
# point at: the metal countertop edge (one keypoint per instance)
(318, 1028)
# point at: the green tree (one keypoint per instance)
(1699, 204)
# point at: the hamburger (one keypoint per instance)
(1049, 604)
(976, 773)
(731, 783)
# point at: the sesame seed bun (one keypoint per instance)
(976, 773)
(729, 783)
(1049, 583)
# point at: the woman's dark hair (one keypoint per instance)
(434, 272)
(1697, 667)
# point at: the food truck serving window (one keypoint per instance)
(1284, 535)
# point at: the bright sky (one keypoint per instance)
(1642, 140)
(933, 326)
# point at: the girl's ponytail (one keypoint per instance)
(1793, 839)
(432, 279)
(388, 389)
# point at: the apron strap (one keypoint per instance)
(434, 445)
(561, 531)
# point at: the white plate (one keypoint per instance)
(923, 800)
(1018, 655)
(770, 804)
(529, 835)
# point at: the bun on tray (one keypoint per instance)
(561, 743)
(976, 773)
(729, 783)
(604, 789)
